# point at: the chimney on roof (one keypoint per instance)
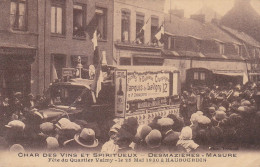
(198, 17)
(177, 12)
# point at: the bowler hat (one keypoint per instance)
(86, 138)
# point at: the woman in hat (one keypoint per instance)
(185, 142)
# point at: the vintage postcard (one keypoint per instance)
(130, 83)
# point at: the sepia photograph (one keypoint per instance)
(129, 83)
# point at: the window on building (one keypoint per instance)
(237, 49)
(59, 62)
(254, 53)
(198, 45)
(139, 26)
(125, 26)
(18, 14)
(202, 76)
(79, 20)
(154, 28)
(125, 61)
(57, 16)
(196, 76)
(172, 43)
(221, 48)
(101, 16)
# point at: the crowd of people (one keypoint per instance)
(210, 119)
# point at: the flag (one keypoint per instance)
(245, 78)
(94, 39)
(54, 73)
(141, 32)
(92, 26)
(145, 25)
(158, 36)
(96, 86)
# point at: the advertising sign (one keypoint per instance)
(144, 85)
(68, 72)
(120, 92)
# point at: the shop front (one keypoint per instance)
(15, 70)
(138, 55)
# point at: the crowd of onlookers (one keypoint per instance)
(210, 118)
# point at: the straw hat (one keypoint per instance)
(86, 138)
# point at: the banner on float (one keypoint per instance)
(145, 85)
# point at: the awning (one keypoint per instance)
(230, 73)
(17, 49)
(148, 60)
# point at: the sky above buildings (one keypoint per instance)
(193, 6)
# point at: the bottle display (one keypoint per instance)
(120, 98)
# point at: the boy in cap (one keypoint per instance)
(153, 141)
(142, 132)
(110, 146)
(15, 132)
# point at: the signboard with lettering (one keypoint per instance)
(146, 85)
(68, 72)
(145, 93)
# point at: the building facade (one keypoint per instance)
(194, 44)
(136, 23)
(63, 36)
(18, 46)
(251, 48)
